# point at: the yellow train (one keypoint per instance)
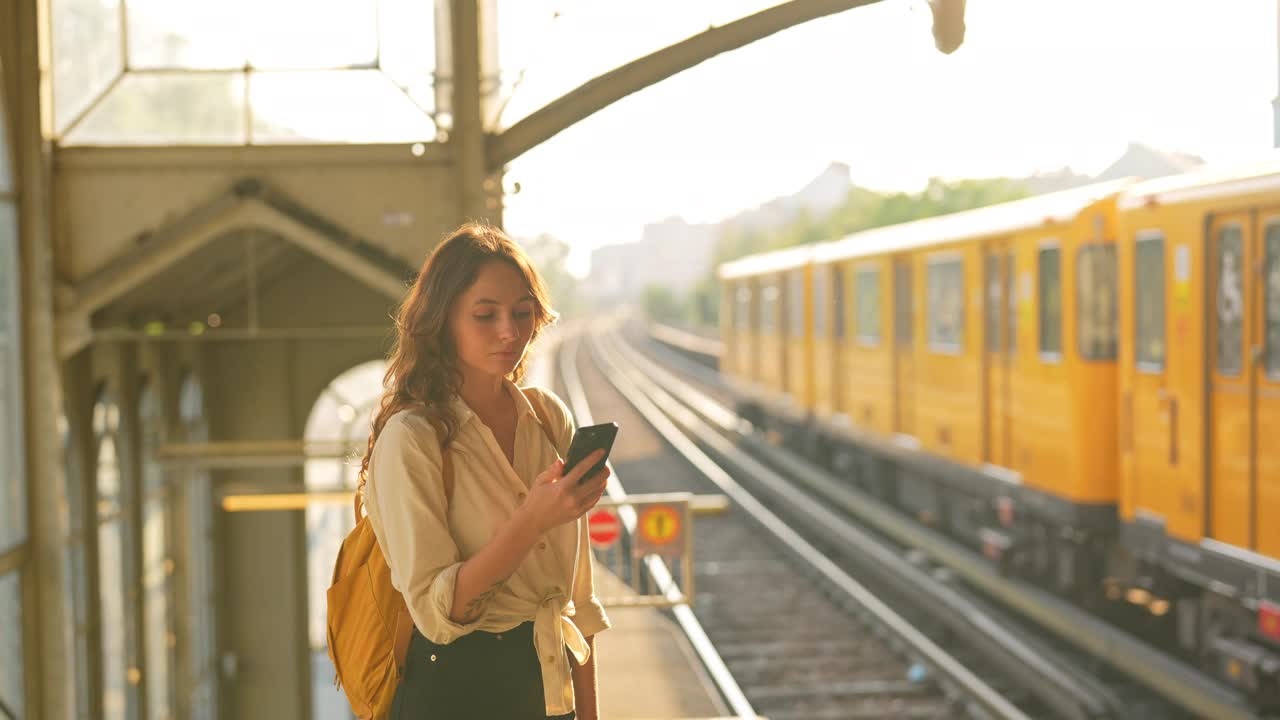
(1084, 385)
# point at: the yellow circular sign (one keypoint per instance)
(659, 524)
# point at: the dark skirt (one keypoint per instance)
(480, 676)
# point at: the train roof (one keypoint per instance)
(768, 262)
(1051, 208)
(999, 219)
(1206, 182)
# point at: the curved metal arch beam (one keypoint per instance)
(600, 92)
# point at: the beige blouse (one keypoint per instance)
(426, 537)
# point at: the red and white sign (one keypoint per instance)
(603, 527)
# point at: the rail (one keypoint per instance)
(728, 686)
(703, 350)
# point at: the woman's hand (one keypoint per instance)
(557, 497)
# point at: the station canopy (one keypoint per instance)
(238, 72)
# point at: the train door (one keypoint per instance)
(1230, 381)
(834, 362)
(1244, 379)
(998, 311)
(904, 363)
(1266, 422)
(1150, 411)
(793, 332)
(772, 346)
(745, 329)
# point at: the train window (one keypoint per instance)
(769, 307)
(820, 301)
(795, 303)
(742, 306)
(994, 303)
(1229, 301)
(1271, 294)
(837, 301)
(1149, 299)
(945, 305)
(1011, 292)
(1050, 276)
(904, 310)
(866, 293)
(1096, 303)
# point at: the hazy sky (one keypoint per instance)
(1038, 85)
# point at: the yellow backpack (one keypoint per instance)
(369, 627)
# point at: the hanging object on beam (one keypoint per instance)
(948, 24)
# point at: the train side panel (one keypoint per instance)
(1064, 416)
(867, 362)
(825, 333)
(948, 383)
(1091, 300)
(738, 328)
(1162, 370)
(770, 362)
(798, 339)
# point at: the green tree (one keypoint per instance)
(551, 257)
(662, 305)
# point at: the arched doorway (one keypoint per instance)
(341, 413)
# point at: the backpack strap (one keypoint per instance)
(446, 470)
(535, 399)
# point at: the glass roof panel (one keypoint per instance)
(186, 34)
(87, 54)
(407, 29)
(299, 34)
(334, 106)
(167, 108)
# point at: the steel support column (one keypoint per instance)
(467, 137)
(45, 596)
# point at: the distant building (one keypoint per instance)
(1137, 161)
(678, 254)
(1146, 162)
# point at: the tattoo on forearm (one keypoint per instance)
(475, 608)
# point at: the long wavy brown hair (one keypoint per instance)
(422, 367)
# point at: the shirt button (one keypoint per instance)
(433, 658)
(498, 636)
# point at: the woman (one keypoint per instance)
(496, 572)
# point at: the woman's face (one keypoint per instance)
(492, 321)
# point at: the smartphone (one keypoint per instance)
(586, 441)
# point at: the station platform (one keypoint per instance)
(647, 669)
